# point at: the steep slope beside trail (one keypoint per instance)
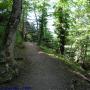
(42, 72)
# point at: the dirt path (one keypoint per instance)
(42, 72)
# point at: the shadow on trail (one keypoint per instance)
(42, 72)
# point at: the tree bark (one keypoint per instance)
(10, 32)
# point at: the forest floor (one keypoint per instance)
(38, 71)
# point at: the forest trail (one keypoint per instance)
(42, 72)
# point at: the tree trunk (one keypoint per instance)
(23, 25)
(10, 32)
(62, 44)
(34, 9)
(62, 41)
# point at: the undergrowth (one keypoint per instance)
(70, 63)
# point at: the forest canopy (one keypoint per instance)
(58, 27)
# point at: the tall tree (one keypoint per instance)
(79, 29)
(10, 32)
(62, 25)
(25, 10)
(42, 22)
